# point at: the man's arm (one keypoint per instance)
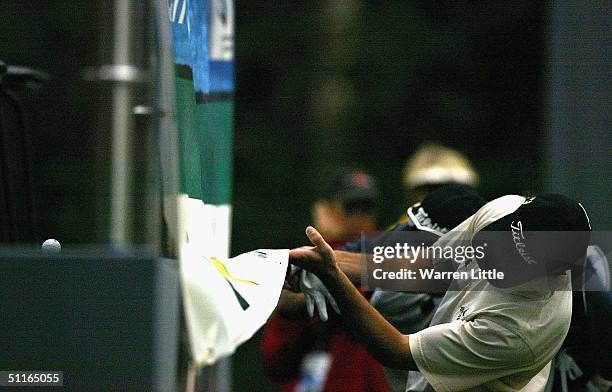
(380, 338)
(352, 264)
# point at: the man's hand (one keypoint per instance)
(380, 338)
(292, 305)
(319, 259)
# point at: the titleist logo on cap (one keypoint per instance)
(518, 237)
(425, 221)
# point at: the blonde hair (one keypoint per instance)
(433, 164)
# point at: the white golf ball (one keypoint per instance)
(51, 246)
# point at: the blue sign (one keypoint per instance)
(202, 35)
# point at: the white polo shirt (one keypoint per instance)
(483, 338)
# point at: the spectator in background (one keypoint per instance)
(304, 354)
(433, 165)
(348, 208)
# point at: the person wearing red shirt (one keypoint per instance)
(304, 354)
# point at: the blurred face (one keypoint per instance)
(335, 224)
(329, 218)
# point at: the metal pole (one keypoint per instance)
(121, 217)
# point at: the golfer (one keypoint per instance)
(485, 335)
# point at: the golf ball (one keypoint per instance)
(51, 246)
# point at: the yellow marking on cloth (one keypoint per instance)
(220, 267)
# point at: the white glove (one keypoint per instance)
(316, 293)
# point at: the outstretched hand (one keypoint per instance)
(319, 259)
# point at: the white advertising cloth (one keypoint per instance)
(227, 300)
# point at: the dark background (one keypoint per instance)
(318, 87)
